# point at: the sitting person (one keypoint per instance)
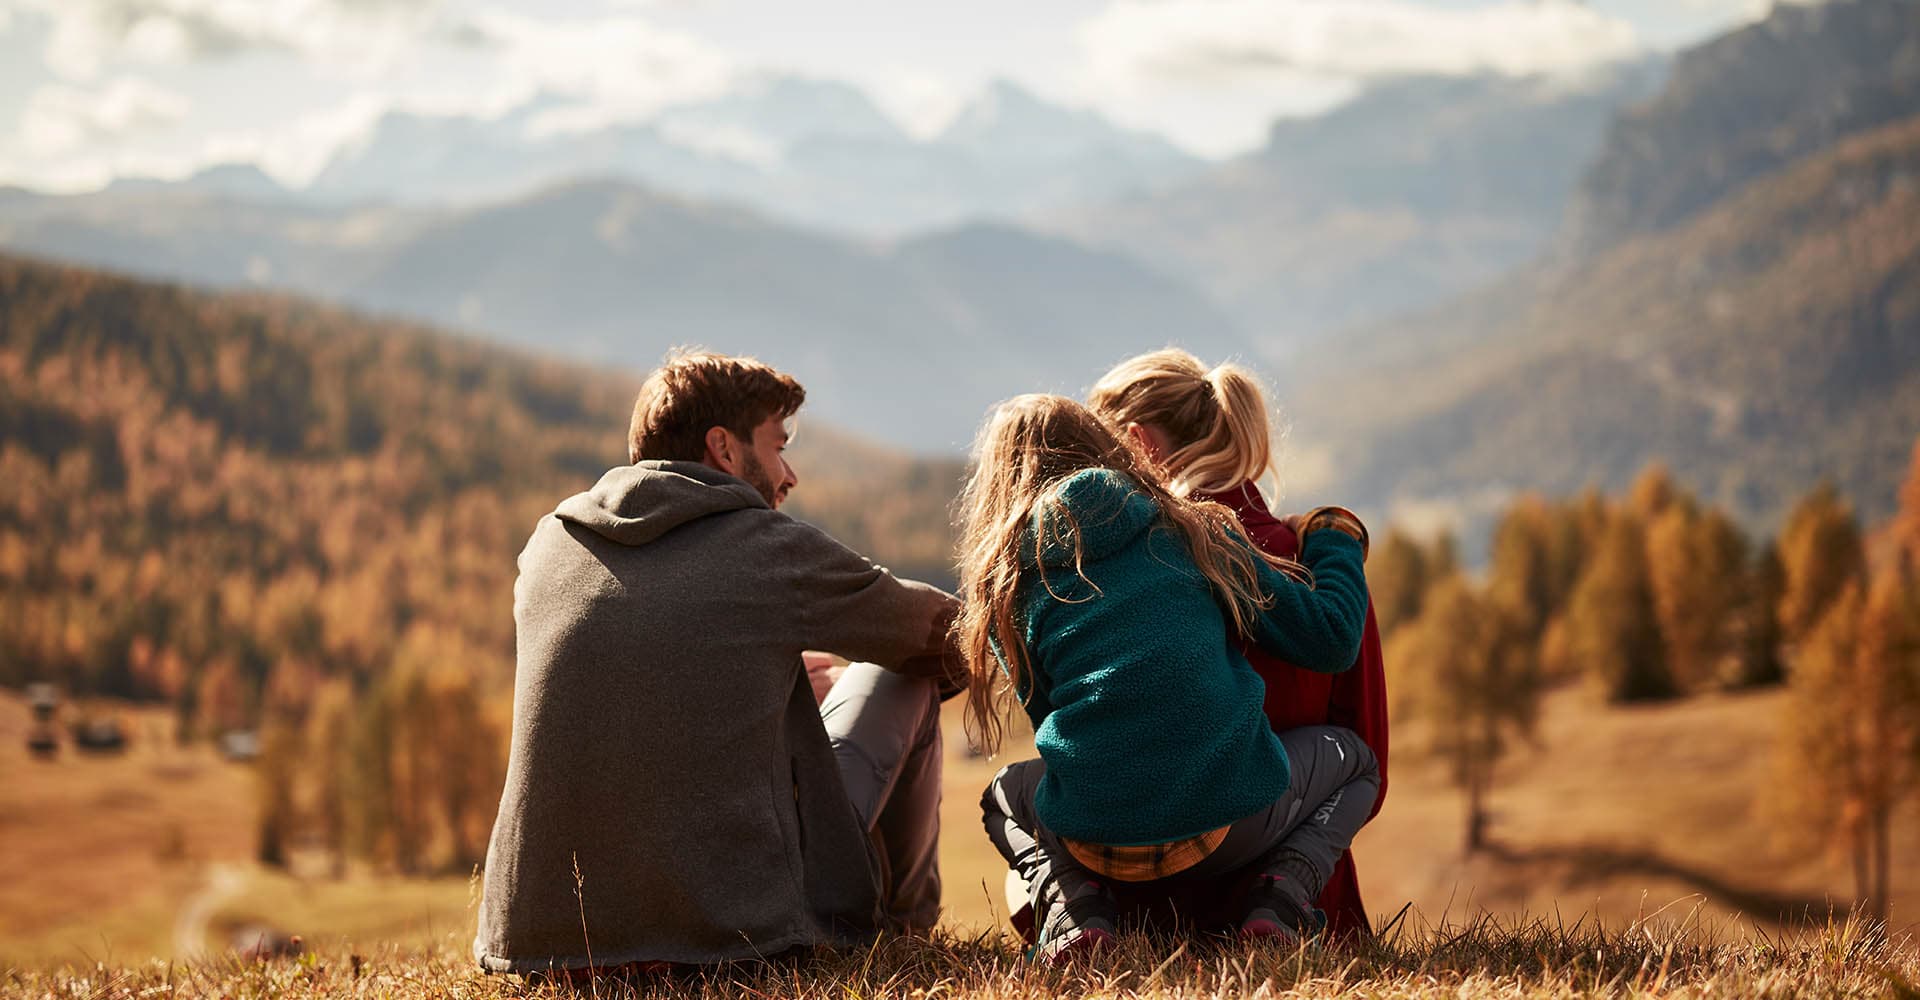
(1208, 434)
(1108, 607)
(674, 794)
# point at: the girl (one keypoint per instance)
(1207, 432)
(1108, 607)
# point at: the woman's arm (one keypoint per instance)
(1317, 627)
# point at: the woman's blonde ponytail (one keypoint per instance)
(1216, 419)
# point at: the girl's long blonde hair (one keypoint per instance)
(1028, 448)
(1216, 419)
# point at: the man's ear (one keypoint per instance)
(721, 451)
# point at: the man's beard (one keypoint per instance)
(756, 476)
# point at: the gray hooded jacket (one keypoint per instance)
(666, 744)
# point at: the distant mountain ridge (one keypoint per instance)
(813, 151)
(1416, 190)
(909, 343)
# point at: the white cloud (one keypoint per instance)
(721, 139)
(1142, 45)
(922, 103)
(294, 152)
(620, 67)
(354, 36)
(59, 119)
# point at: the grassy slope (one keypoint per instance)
(1618, 812)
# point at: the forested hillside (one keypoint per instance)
(217, 500)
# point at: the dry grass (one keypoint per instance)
(1487, 958)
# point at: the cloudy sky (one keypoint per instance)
(92, 89)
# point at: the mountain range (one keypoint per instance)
(1416, 190)
(1757, 336)
(811, 151)
(613, 270)
(913, 340)
(1537, 283)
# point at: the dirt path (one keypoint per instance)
(224, 882)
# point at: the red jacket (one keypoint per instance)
(1355, 698)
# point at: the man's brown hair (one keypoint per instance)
(694, 391)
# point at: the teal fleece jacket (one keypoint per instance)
(1149, 720)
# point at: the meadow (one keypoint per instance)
(1640, 826)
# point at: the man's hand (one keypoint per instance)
(822, 673)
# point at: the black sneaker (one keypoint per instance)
(1273, 913)
(1077, 926)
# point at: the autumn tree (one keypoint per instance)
(1696, 568)
(1821, 553)
(1905, 528)
(331, 787)
(1521, 579)
(1535, 562)
(1760, 661)
(1612, 629)
(1474, 683)
(1653, 491)
(276, 770)
(1397, 579)
(1851, 752)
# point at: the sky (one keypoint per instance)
(91, 90)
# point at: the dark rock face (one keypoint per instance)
(1746, 104)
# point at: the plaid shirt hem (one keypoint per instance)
(1146, 862)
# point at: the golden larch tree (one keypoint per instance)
(1821, 554)
(1397, 580)
(1612, 630)
(1696, 566)
(1474, 683)
(1851, 748)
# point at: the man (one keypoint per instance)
(674, 793)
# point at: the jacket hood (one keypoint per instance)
(635, 504)
(1107, 506)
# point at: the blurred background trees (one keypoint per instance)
(298, 527)
(1656, 596)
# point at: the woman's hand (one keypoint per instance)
(1334, 519)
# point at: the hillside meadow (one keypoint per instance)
(1618, 814)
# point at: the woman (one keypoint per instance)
(1107, 605)
(1208, 432)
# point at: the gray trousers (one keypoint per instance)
(1335, 779)
(885, 730)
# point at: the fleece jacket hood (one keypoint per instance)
(636, 504)
(1106, 508)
